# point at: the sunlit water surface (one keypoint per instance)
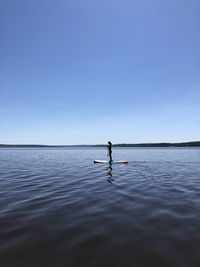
(58, 208)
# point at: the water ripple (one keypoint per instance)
(57, 208)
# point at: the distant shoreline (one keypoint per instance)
(182, 144)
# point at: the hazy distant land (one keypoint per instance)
(182, 144)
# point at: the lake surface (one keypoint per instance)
(58, 208)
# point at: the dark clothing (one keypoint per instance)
(110, 151)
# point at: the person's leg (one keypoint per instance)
(110, 157)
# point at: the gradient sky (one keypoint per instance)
(85, 72)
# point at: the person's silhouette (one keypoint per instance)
(109, 147)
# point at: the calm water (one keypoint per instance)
(58, 209)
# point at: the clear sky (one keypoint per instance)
(85, 72)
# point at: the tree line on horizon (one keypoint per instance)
(182, 144)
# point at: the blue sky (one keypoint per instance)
(85, 72)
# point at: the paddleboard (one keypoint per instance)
(112, 162)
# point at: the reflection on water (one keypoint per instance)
(110, 179)
(59, 209)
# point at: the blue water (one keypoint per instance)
(58, 208)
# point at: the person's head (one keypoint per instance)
(109, 143)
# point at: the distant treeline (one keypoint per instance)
(183, 144)
(8, 145)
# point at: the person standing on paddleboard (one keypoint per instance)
(109, 147)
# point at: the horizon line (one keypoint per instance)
(114, 144)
